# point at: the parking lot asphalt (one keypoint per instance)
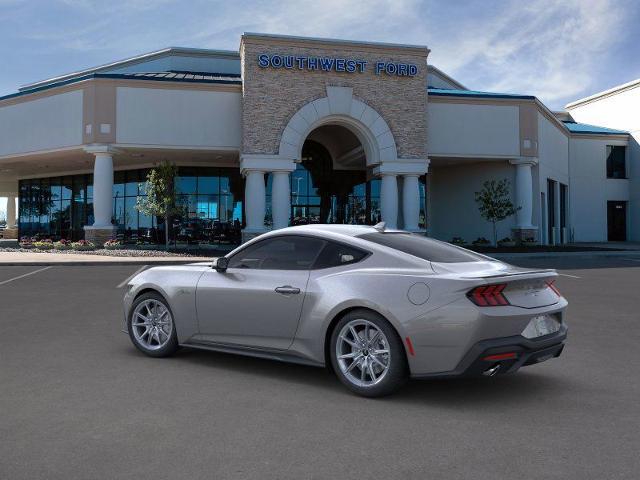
(77, 401)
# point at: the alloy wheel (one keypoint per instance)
(152, 324)
(362, 351)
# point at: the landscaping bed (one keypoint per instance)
(105, 252)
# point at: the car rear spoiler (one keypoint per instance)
(515, 275)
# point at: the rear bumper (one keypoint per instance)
(527, 352)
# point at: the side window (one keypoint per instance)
(616, 165)
(336, 254)
(279, 253)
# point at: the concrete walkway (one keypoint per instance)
(36, 259)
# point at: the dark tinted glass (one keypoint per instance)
(335, 254)
(279, 253)
(423, 247)
(616, 162)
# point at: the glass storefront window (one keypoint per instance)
(212, 201)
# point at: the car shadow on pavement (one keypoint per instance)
(520, 388)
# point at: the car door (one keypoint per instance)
(257, 301)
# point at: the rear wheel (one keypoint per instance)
(151, 326)
(367, 354)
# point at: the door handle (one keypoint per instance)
(288, 290)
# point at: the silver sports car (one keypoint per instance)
(375, 305)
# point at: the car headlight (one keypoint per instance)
(541, 325)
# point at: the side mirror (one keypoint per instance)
(221, 264)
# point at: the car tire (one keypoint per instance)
(357, 349)
(151, 326)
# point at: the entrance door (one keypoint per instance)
(617, 221)
(551, 211)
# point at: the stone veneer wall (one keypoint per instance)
(272, 96)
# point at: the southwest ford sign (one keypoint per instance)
(333, 64)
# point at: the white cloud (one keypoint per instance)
(548, 48)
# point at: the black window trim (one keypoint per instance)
(368, 253)
(626, 166)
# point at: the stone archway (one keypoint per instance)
(339, 107)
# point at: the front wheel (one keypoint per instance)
(367, 354)
(151, 326)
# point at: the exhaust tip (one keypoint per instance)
(490, 372)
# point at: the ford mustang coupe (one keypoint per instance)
(377, 306)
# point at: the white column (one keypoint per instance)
(524, 194)
(280, 199)
(389, 200)
(411, 202)
(103, 190)
(255, 200)
(11, 212)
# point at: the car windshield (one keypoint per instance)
(423, 247)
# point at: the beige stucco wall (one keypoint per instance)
(272, 96)
(473, 129)
(178, 117)
(50, 122)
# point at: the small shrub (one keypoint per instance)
(506, 242)
(83, 245)
(112, 244)
(458, 241)
(43, 244)
(62, 245)
(481, 241)
(26, 242)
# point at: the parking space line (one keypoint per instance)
(25, 275)
(567, 275)
(125, 281)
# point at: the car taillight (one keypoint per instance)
(551, 285)
(488, 295)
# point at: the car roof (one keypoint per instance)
(348, 230)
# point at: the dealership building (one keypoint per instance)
(292, 130)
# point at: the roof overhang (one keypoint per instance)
(145, 57)
(606, 93)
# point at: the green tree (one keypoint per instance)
(494, 203)
(161, 199)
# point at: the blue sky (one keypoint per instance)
(557, 50)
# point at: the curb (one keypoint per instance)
(593, 254)
(97, 264)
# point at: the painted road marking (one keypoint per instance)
(124, 282)
(25, 275)
(633, 259)
(567, 275)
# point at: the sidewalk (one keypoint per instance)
(38, 259)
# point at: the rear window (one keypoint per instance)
(423, 247)
(336, 254)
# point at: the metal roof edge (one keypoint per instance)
(337, 41)
(605, 93)
(476, 94)
(123, 76)
(447, 77)
(131, 61)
